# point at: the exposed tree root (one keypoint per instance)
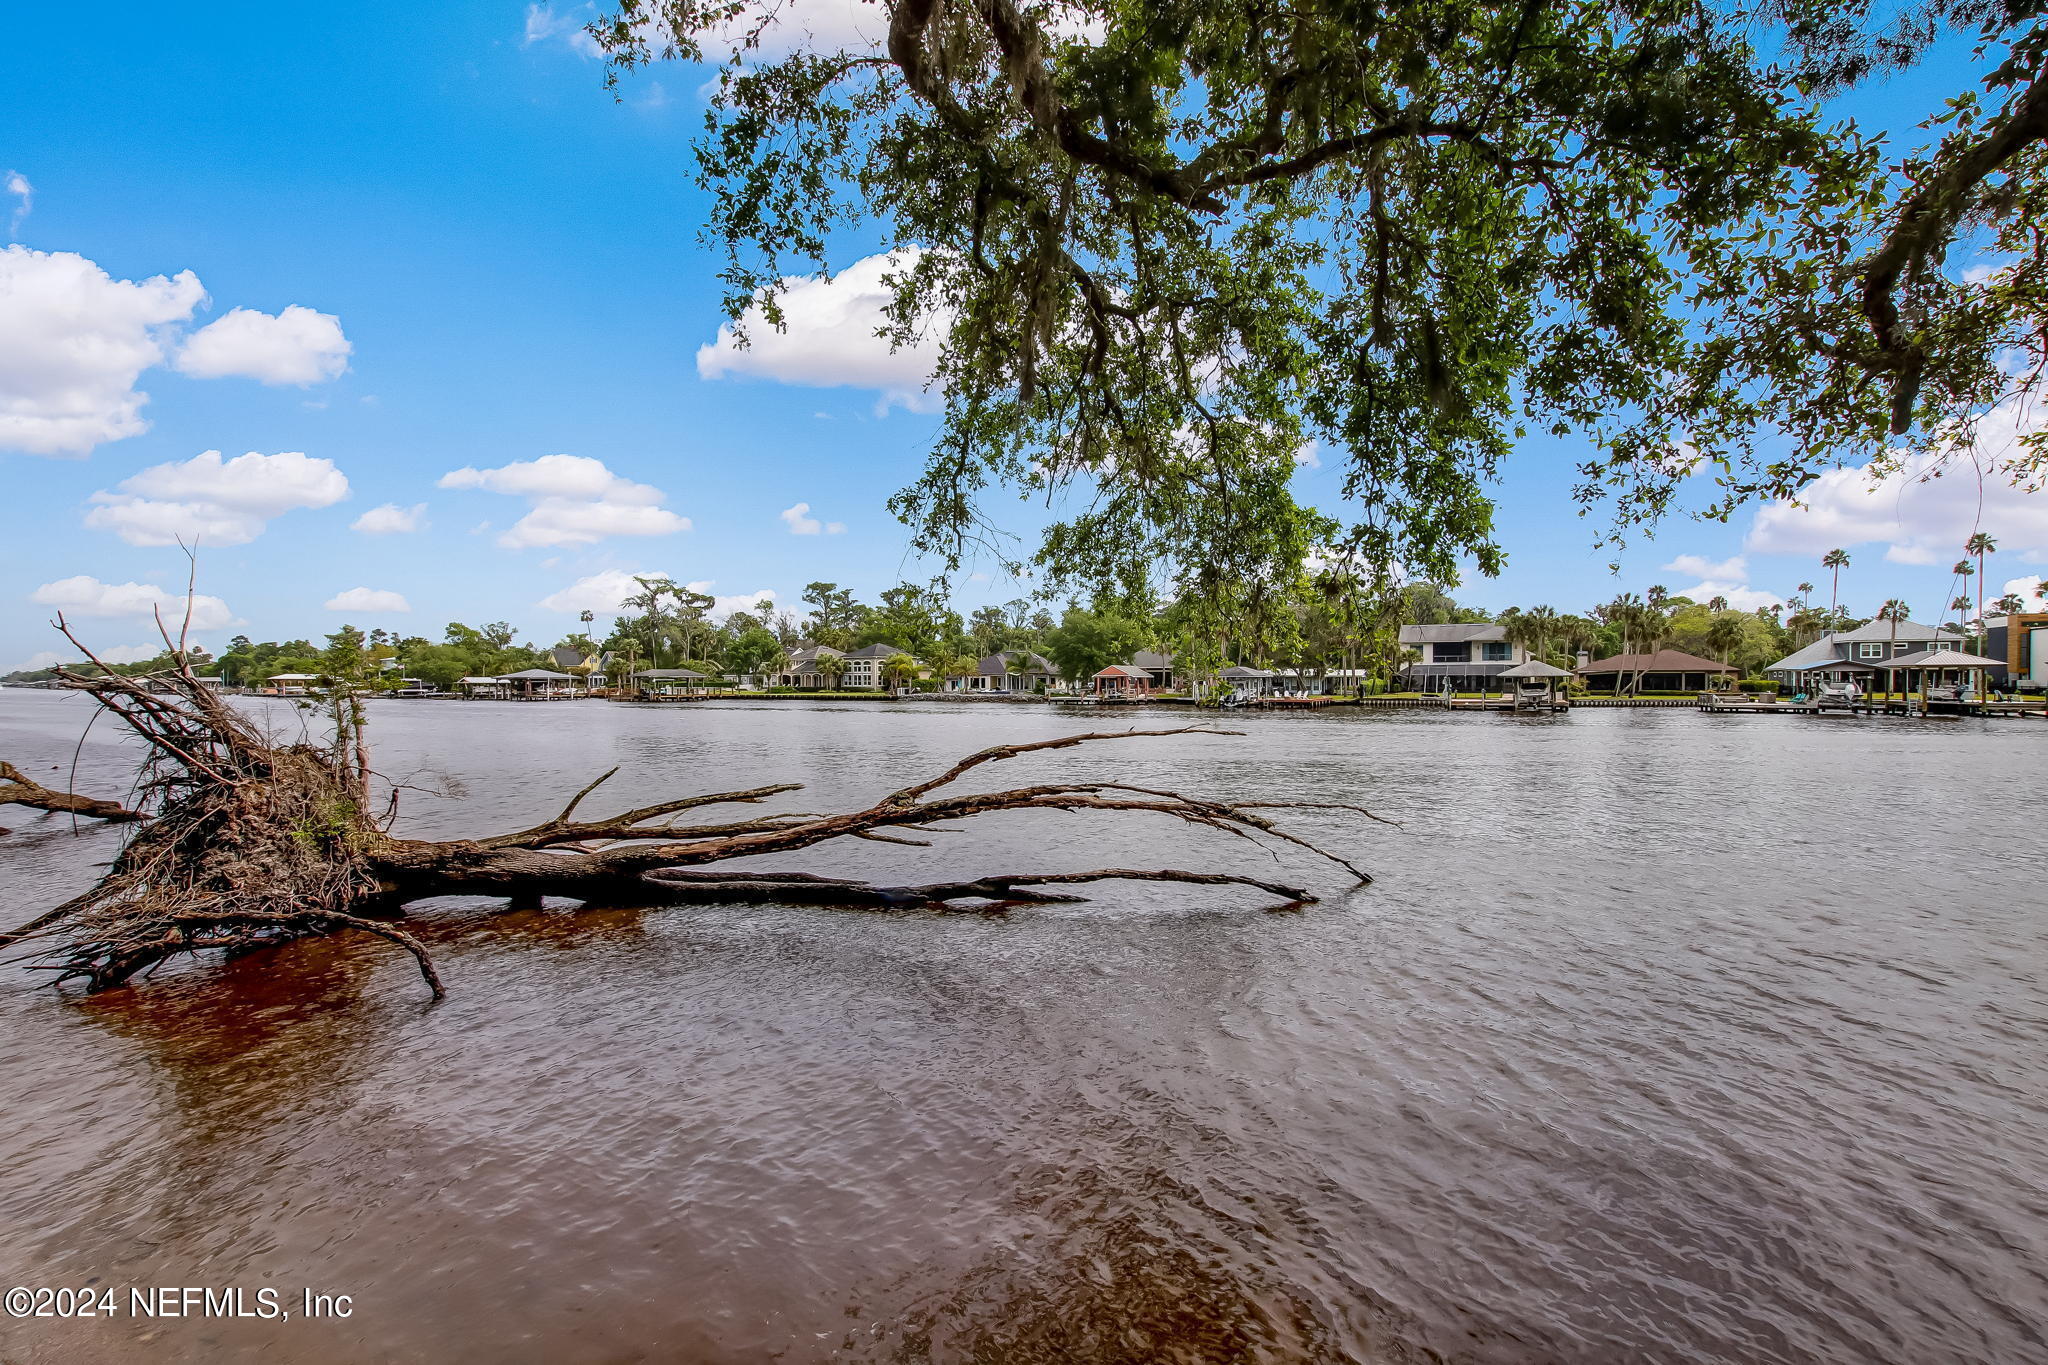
(17, 788)
(254, 842)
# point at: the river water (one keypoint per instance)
(1660, 1037)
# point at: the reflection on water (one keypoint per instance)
(1662, 1037)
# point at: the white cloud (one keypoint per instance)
(544, 23)
(128, 654)
(829, 339)
(18, 186)
(298, 346)
(1921, 516)
(48, 658)
(600, 592)
(215, 502)
(84, 595)
(367, 599)
(802, 523)
(1699, 566)
(604, 592)
(73, 341)
(2029, 588)
(391, 520)
(1740, 595)
(576, 501)
(1310, 455)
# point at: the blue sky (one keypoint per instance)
(452, 250)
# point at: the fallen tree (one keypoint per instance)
(19, 789)
(253, 841)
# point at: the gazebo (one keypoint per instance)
(676, 682)
(1536, 685)
(1122, 682)
(533, 683)
(290, 684)
(1940, 675)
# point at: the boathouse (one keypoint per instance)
(1123, 682)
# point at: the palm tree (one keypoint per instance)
(1894, 611)
(1725, 635)
(898, 669)
(832, 666)
(2011, 603)
(1980, 545)
(1717, 604)
(1961, 607)
(1836, 561)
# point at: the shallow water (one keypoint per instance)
(1661, 1037)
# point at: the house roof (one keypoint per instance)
(1941, 658)
(810, 654)
(1012, 661)
(1452, 632)
(1663, 661)
(1910, 632)
(1151, 660)
(540, 675)
(567, 657)
(1240, 671)
(1123, 671)
(1819, 654)
(291, 677)
(471, 681)
(876, 651)
(666, 673)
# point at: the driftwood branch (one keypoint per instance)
(17, 788)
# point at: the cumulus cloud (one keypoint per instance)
(214, 501)
(1309, 455)
(802, 523)
(1919, 515)
(84, 595)
(829, 339)
(605, 592)
(297, 346)
(367, 599)
(25, 194)
(73, 342)
(391, 520)
(575, 501)
(2028, 588)
(1699, 566)
(47, 658)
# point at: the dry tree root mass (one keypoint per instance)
(251, 842)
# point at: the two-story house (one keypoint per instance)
(1859, 655)
(1466, 656)
(804, 670)
(864, 665)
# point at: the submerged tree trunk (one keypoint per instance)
(17, 788)
(252, 843)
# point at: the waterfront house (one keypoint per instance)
(1009, 670)
(2020, 645)
(1859, 656)
(588, 665)
(1122, 682)
(1667, 670)
(1243, 683)
(864, 665)
(1460, 656)
(1156, 666)
(804, 672)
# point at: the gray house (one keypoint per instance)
(1010, 670)
(864, 665)
(1859, 655)
(803, 670)
(1465, 656)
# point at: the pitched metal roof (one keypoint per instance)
(1535, 668)
(876, 651)
(1941, 658)
(1909, 632)
(1240, 671)
(1123, 671)
(1819, 654)
(1151, 660)
(1452, 632)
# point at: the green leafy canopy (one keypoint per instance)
(1171, 243)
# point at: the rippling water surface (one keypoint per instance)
(1661, 1037)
